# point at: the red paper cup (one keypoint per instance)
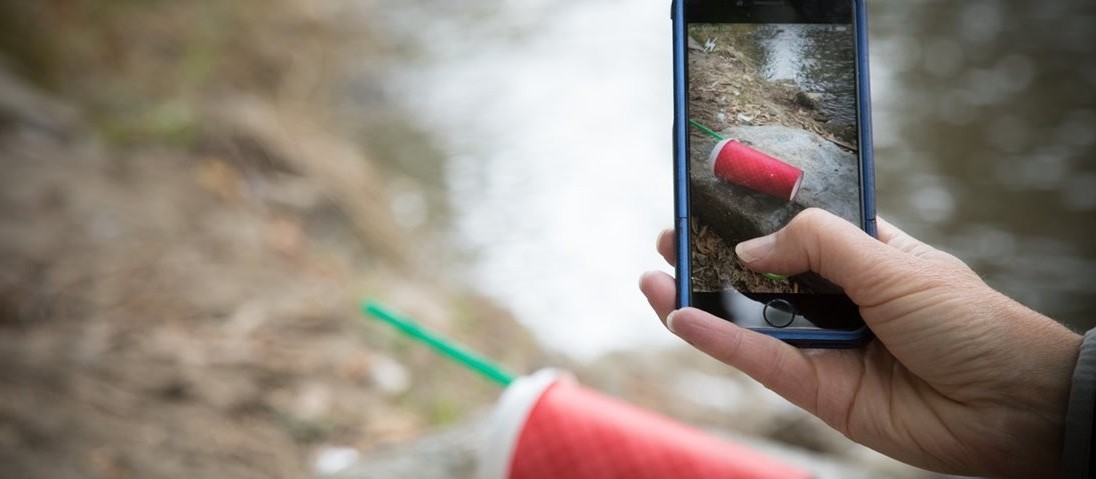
(549, 426)
(737, 163)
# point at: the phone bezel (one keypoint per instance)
(681, 12)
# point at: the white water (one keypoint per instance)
(558, 138)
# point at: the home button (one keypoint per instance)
(779, 313)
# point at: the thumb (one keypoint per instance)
(816, 240)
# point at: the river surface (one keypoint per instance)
(818, 59)
(553, 119)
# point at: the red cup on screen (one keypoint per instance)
(734, 162)
(547, 425)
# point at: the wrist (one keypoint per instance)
(1028, 363)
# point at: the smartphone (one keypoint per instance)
(771, 116)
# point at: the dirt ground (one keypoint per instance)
(185, 237)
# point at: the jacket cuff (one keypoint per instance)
(1077, 458)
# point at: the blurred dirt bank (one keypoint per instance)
(186, 228)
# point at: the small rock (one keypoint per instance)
(389, 376)
(332, 459)
(810, 101)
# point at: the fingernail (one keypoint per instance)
(758, 248)
(670, 321)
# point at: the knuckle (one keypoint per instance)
(809, 217)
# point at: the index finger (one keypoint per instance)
(665, 246)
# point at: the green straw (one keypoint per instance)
(447, 347)
(706, 130)
(776, 277)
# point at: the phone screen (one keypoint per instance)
(773, 128)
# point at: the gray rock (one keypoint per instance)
(810, 101)
(450, 453)
(830, 181)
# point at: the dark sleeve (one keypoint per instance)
(1077, 458)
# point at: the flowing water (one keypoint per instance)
(554, 121)
(818, 59)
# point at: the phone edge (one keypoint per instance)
(680, 147)
(863, 111)
(804, 339)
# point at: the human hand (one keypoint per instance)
(960, 379)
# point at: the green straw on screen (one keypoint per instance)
(447, 347)
(776, 277)
(706, 130)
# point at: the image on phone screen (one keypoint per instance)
(773, 130)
